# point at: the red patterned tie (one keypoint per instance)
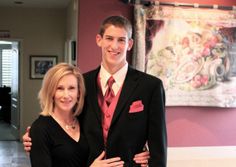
(109, 95)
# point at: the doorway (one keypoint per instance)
(9, 90)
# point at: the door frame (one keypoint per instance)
(16, 130)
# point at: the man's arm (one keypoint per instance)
(157, 136)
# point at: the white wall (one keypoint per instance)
(71, 21)
(210, 156)
(42, 32)
(71, 29)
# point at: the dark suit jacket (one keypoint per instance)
(128, 131)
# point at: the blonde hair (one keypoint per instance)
(49, 85)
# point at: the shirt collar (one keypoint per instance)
(119, 76)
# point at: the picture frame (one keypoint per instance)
(39, 65)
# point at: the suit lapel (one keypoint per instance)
(92, 93)
(128, 88)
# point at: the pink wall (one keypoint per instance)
(91, 13)
(210, 2)
(186, 126)
(198, 126)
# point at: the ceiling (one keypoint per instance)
(35, 3)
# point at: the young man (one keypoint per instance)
(136, 114)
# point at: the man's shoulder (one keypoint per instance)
(145, 76)
(91, 73)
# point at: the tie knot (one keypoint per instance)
(110, 82)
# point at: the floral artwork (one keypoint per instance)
(193, 51)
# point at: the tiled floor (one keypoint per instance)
(13, 155)
(5, 131)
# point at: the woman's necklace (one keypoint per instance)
(71, 126)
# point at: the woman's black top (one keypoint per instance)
(53, 147)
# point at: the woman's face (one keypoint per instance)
(66, 94)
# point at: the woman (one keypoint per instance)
(57, 138)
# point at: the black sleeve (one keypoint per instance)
(40, 155)
(157, 138)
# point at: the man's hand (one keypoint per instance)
(27, 140)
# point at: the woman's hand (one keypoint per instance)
(142, 158)
(111, 162)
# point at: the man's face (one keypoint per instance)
(114, 44)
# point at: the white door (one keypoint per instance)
(15, 113)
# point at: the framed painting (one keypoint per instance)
(39, 65)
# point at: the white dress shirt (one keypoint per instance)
(119, 78)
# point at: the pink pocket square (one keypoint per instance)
(136, 106)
